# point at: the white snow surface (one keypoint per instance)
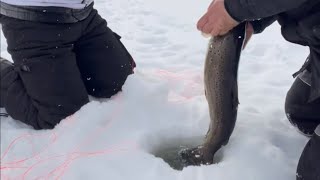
(163, 104)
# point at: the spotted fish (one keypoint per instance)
(221, 88)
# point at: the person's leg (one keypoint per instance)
(301, 113)
(45, 85)
(5, 68)
(102, 59)
(309, 163)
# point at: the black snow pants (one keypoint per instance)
(56, 67)
(305, 115)
(302, 113)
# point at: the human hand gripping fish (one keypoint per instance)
(221, 88)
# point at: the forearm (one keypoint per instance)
(242, 10)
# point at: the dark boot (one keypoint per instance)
(5, 67)
(309, 163)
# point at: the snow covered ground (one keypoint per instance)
(163, 105)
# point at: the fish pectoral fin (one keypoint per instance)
(209, 131)
(235, 100)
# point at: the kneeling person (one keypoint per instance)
(62, 53)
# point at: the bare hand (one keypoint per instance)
(216, 21)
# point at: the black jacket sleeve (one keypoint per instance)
(260, 25)
(244, 10)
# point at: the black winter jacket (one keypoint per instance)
(45, 14)
(299, 20)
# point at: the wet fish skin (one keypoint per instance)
(221, 87)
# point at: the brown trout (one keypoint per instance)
(221, 89)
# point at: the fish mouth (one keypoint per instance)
(195, 157)
(199, 156)
(180, 156)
